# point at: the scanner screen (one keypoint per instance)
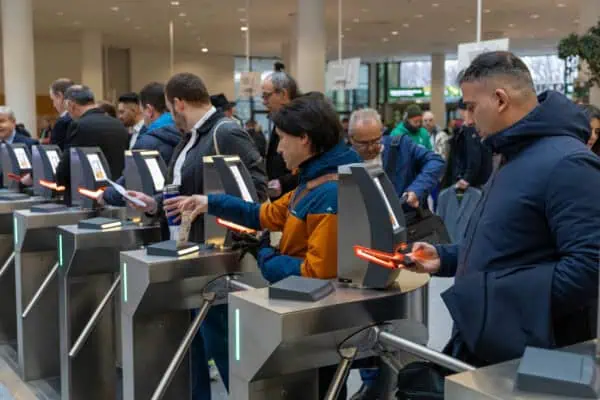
(97, 168)
(22, 158)
(156, 173)
(241, 184)
(53, 158)
(393, 218)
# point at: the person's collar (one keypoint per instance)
(64, 114)
(204, 118)
(11, 138)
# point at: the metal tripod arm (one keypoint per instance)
(38, 294)
(341, 373)
(7, 264)
(91, 324)
(167, 377)
(389, 340)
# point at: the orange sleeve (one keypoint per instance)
(321, 256)
(273, 215)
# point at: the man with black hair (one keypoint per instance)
(278, 89)
(209, 133)
(129, 112)
(159, 133)
(61, 127)
(527, 267)
(91, 127)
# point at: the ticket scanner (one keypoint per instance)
(277, 346)
(159, 292)
(145, 171)
(89, 175)
(16, 163)
(37, 260)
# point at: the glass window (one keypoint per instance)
(451, 67)
(415, 74)
(346, 101)
(246, 108)
(547, 71)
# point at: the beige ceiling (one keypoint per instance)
(422, 26)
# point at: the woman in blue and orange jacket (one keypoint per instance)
(311, 140)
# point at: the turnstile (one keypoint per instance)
(277, 346)
(158, 293)
(88, 275)
(8, 317)
(36, 266)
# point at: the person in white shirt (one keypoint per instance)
(129, 111)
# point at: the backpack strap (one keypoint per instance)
(310, 185)
(392, 161)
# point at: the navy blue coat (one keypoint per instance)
(20, 138)
(60, 131)
(529, 259)
(161, 135)
(417, 169)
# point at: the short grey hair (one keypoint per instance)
(362, 115)
(281, 80)
(5, 110)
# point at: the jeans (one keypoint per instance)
(210, 342)
(369, 375)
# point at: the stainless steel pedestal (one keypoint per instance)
(8, 316)
(158, 293)
(88, 268)
(36, 266)
(277, 346)
(498, 381)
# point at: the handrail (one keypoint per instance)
(341, 373)
(38, 294)
(7, 264)
(91, 324)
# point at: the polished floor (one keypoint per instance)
(440, 325)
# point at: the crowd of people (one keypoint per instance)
(514, 180)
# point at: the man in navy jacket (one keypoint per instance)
(527, 269)
(63, 123)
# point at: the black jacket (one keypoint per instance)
(260, 141)
(276, 168)
(60, 130)
(468, 160)
(232, 140)
(95, 129)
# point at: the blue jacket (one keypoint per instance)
(417, 169)
(20, 138)
(529, 258)
(161, 135)
(306, 216)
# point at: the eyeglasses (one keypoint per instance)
(267, 95)
(367, 143)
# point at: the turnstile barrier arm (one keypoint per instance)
(91, 324)
(167, 377)
(7, 264)
(389, 340)
(341, 373)
(38, 294)
(234, 283)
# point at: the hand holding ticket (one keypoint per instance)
(123, 192)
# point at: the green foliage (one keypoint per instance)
(587, 48)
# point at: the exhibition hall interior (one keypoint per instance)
(299, 199)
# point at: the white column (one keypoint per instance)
(92, 66)
(292, 67)
(438, 86)
(311, 42)
(590, 14)
(19, 63)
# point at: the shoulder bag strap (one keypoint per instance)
(310, 186)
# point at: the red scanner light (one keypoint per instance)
(91, 194)
(394, 260)
(235, 227)
(52, 186)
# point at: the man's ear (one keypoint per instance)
(502, 99)
(178, 104)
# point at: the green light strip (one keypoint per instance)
(124, 282)
(237, 334)
(16, 231)
(60, 251)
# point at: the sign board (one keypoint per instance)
(344, 75)
(250, 84)
(420, 92)
(468, 51)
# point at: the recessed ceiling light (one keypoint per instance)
(356, 20)
(348, 29)
(395, 33)
(364, 9)
(198, 38)
(487, 11)
(551, 29)
(182, 14)
(534, 16)
(115, 8)
(244, 20)
(243, 28)
(385, 39)
(194, 32)
(341, 36)
(76, 23)
(204, 50)
(137, 28)
(241, 9)
(451, 29)
(175, 3)
(187, 23)
(468, 21)
(60, 13)
(419, 16)
(561, 5)
(435, 5)
(511, 25)
(576, 21)
(531, 36)
(127, 19)
(405, 25)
